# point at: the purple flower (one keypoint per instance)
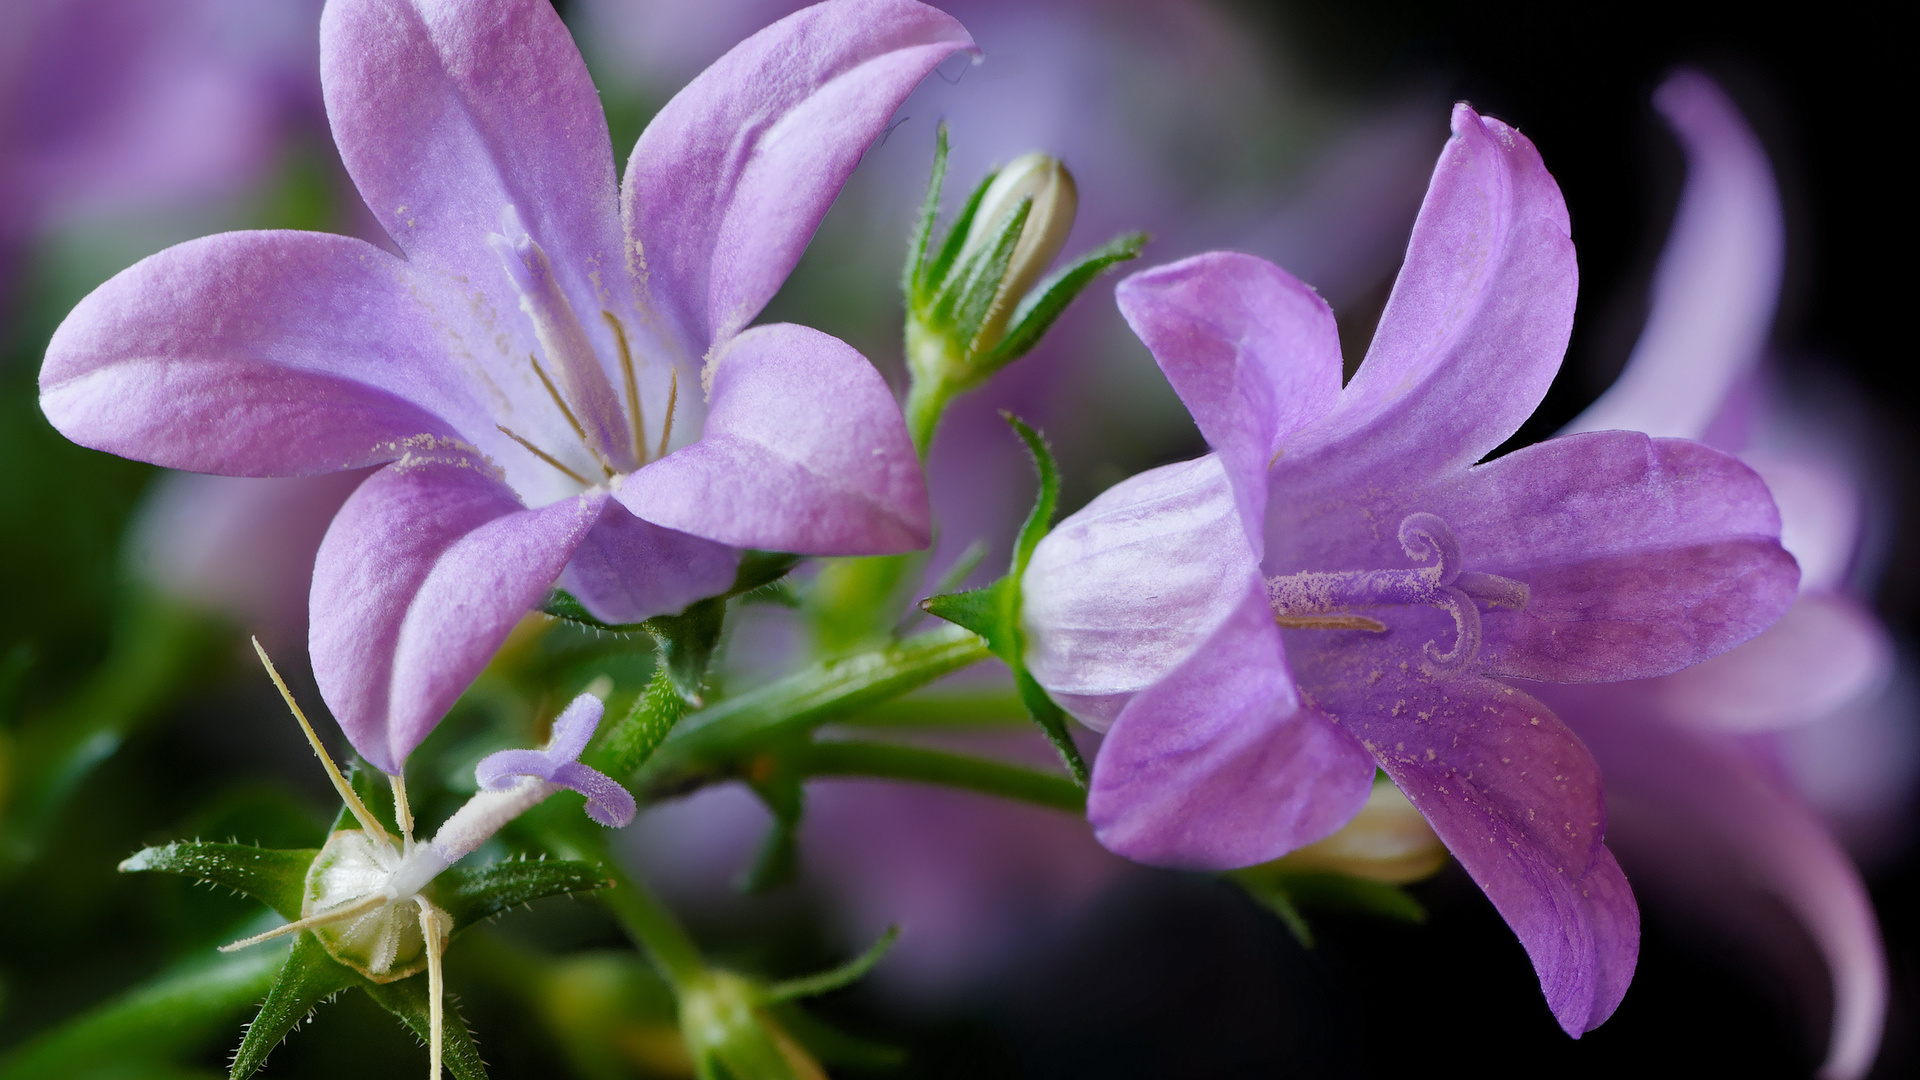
(560, 389)
(1339, 585)
(1692, 756)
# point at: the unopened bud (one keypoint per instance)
(1386, 841)
(1047, 182)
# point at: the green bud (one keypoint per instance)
(1055, 200)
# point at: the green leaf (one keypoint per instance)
(834, 978)
(172, 1014)
(759, 569)
(474, 894)
(276, 878)
(1045, 502)
(407, 999)
(912, 281)
(306, 981)
(686, 643)
(1042, 306)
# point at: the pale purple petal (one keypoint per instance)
(1822, 514)
(805, 450)
(1124, 590)
(1825, 652)
(1219, 765)
(1512, 793)
(1706, 789)
(731, 178)
(627, 569)
(1718, 279)
(1641, 555)
(1252, 352)
(448, 113)
(254, 354)
(425, 571)
(1473, 332)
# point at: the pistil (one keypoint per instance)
(1327, 600)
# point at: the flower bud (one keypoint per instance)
(1055, 201)
(1387, 841)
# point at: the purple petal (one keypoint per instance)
(1219, 765)
(731, 178)
(1252, 352)
(502, 769)
(1511, 792)
(1825, 652)
(608, 802)
(627, 569)
(1124, 590)
(1718, 280)
(1706, 789)
(253, 354)
(804, 451)
(473, 132)
(1474, 330)
(574, 727)
(1642, 555)
(426, 569)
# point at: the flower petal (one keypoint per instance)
(804, 451)
(1251, 350)
(1641, 555)
(1511, 792)
(731, 178)
(449, 112)
(1219, 765)
(627, 569)
(1125, 589)
(1474, 330)
(1710, 790)
(253, 354)
(426, 569)
(1719, 275)
(1825, 652)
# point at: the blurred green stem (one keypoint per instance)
(927, 766)
(650, 923)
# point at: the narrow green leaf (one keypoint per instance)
(834, 978)
(1042, 306)
(276, 878)
(1045, 501)
(971, 299)
(1270, 895)
(1343, 892)
(941, 268)
(177, 1012)
(627, 744)
(562, 604)
(307, 980)
(407, 999)
(473, 894)
(1053, 723)
(761, 568)
(912, 280)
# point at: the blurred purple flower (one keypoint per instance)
(114, 106)
(473, 132)
(1691, 751)
(1591, 558)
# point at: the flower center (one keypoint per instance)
(1328, 600)
(610, 428)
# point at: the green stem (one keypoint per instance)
(826, 691)
(921, 765)
(967, 710)
(649, 922)
(925, 402)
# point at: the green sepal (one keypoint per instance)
(934, 275)
(911, 277)
(832, 979)
(1040, 307)
(306, 981)
(407, 999)
(1286, 892)
(968, 297)
(473, 894)
(276, 878)
(993, 612)
(626, 745)
(831, 1046)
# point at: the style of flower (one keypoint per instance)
(1697, 748)
(1339, 585)
(558, 764)
(559, 391)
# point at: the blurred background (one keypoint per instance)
(1302, 132)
